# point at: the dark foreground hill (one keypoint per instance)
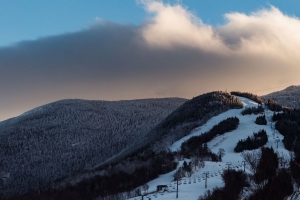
(290, 96)
(66, 137)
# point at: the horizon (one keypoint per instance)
(137, 99)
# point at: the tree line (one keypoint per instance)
(197, 144)
(253, 110)
(257, 140)
(248, 95)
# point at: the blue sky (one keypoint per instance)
(29, 20)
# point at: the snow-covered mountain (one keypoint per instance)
(290, 96)
(194, 186)
(195, 143)
(181, 121)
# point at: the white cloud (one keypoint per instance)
(267, 33)
(174, 25)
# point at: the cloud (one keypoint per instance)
(174, 26)
(267, 32)
(173, 53)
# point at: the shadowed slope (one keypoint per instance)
(68, 136)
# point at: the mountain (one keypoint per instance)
(69, 136)
(191, 186)
(181, 121)
(290, 96)
(85, 152)
(235, 146)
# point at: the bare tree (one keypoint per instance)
(252, 159)
(221, 153)
(137, 192)
(145, 187)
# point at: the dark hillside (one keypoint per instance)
(63, 138)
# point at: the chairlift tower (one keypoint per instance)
(277, 140)
(206, 174)
(228, 165)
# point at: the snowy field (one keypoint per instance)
(191, 188)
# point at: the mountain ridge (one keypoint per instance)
(143, 152)
(289, 96)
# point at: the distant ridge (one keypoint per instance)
(289, 96)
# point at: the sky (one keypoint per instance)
(113, 50)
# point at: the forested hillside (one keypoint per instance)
(288, 97)
(144, 154)
(183, 120)
(63, 138)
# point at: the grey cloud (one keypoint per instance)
(110, 61)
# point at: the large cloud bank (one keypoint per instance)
(173, 53)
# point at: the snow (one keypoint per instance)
(227, 141)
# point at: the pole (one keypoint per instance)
(177, 189)
(277, 140)
(244, 164)
(206, 173)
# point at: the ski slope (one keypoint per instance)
(193, 187)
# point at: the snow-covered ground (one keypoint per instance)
(192, 188)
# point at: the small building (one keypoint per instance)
(161, 188)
